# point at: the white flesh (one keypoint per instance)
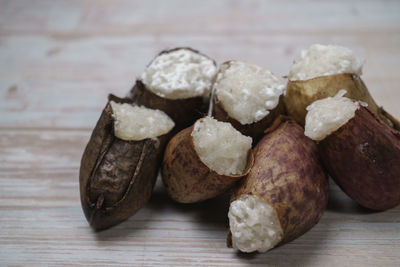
(180, 74)
(138, 123)
(326, 115)
(322, 60)
(254, 224)
(220, 146)
(246, 91)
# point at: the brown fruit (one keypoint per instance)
(287, 175)
(363, 157)
(254, 130)
(184, 112)
(116, 176)
(186, 178)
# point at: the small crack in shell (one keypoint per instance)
(117, 176)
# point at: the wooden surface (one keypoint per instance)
(59, 60)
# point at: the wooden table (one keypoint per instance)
(60, 59)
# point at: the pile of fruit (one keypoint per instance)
(238, 127)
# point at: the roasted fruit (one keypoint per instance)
(360, 152)
(120, 163)
(205, 160)
(247, 96)
(178, 82)
(284, 194)
(322, 71)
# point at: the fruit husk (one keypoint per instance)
(300, 94)
(186, 178)
(287, 175)
(117, 176)
(254, 130)
(184, 112)
(363, 157)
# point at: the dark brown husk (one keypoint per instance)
(184, 112)
(254, 130)
(116, 176)
(363, 157)
(287, 175)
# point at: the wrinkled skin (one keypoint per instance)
(363, 157)
(300, 94)
(186, 178)
(254, 130)
(116, 176)
(287, 175)
(184, 112)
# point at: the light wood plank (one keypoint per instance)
(204, 18)
(58, 61)
(65, 83)
(42, 222)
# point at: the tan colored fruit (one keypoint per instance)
(301, 93)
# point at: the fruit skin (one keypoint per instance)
(116, 176)
(254, 130)
(300, 94)
(184, 112)
(363, 157)
(186, 178)
(287, 175)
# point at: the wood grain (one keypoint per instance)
(58, 61)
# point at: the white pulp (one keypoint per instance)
(220, 146)
(326, 115)
(247, 92)
(180, 74)
(322, 60)
(254, 224)
(138, 123)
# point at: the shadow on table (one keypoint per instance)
(210, 213)
(299, 252)
(302, 251)
(339, 202)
